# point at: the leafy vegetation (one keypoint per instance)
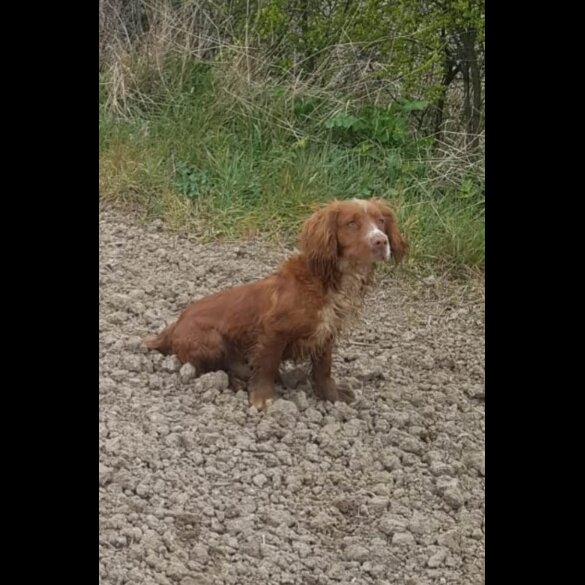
(234, 118)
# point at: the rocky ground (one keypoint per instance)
(197, 488)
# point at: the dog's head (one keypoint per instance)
(361, 231)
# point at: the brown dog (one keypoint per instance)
(297, 312)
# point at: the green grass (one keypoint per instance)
(230, 159)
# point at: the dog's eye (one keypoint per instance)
(381, 222)
(352, 224)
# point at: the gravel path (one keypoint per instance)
(197, 488)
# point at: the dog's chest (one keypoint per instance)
(341, 309)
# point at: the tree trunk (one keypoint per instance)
(309, 57)
(472, 87)
(450, 70)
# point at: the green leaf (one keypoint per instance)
(341, 121)
(415, 106)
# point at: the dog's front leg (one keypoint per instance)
(323, 384)
(267, 357)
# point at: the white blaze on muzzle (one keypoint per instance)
(377, 238)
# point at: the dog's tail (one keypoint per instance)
(162, 341)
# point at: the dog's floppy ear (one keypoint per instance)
(398, 245)
(318, 242)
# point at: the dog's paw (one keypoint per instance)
(327, 391)
(261, 399)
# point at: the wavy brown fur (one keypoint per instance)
(296, 313)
